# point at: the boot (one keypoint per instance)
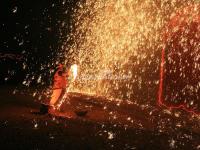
(44, 108)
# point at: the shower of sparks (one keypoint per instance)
(120, 50)
(117, 46)
(114, 39)
(123, 39)
(180, 70)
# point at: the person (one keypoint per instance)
(60, 83)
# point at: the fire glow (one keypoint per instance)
(187, 22)
(123, 37)
(160, 92)
(74, 72)
(109, 38)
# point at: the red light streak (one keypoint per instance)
(160, 91)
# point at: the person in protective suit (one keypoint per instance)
(60, 83)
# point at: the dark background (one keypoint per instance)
(34, 31)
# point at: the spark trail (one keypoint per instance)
(118, 44)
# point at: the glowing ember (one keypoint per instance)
(117, 45)
(113, 40)
(74, 71)
(180, 70)
(121, 38)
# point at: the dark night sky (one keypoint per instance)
(31, 29)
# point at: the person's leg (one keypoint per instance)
(62, 99)
(55, 96)
(62, 94)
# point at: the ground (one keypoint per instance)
(108, 125)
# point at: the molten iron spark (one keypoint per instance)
(122, 37)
